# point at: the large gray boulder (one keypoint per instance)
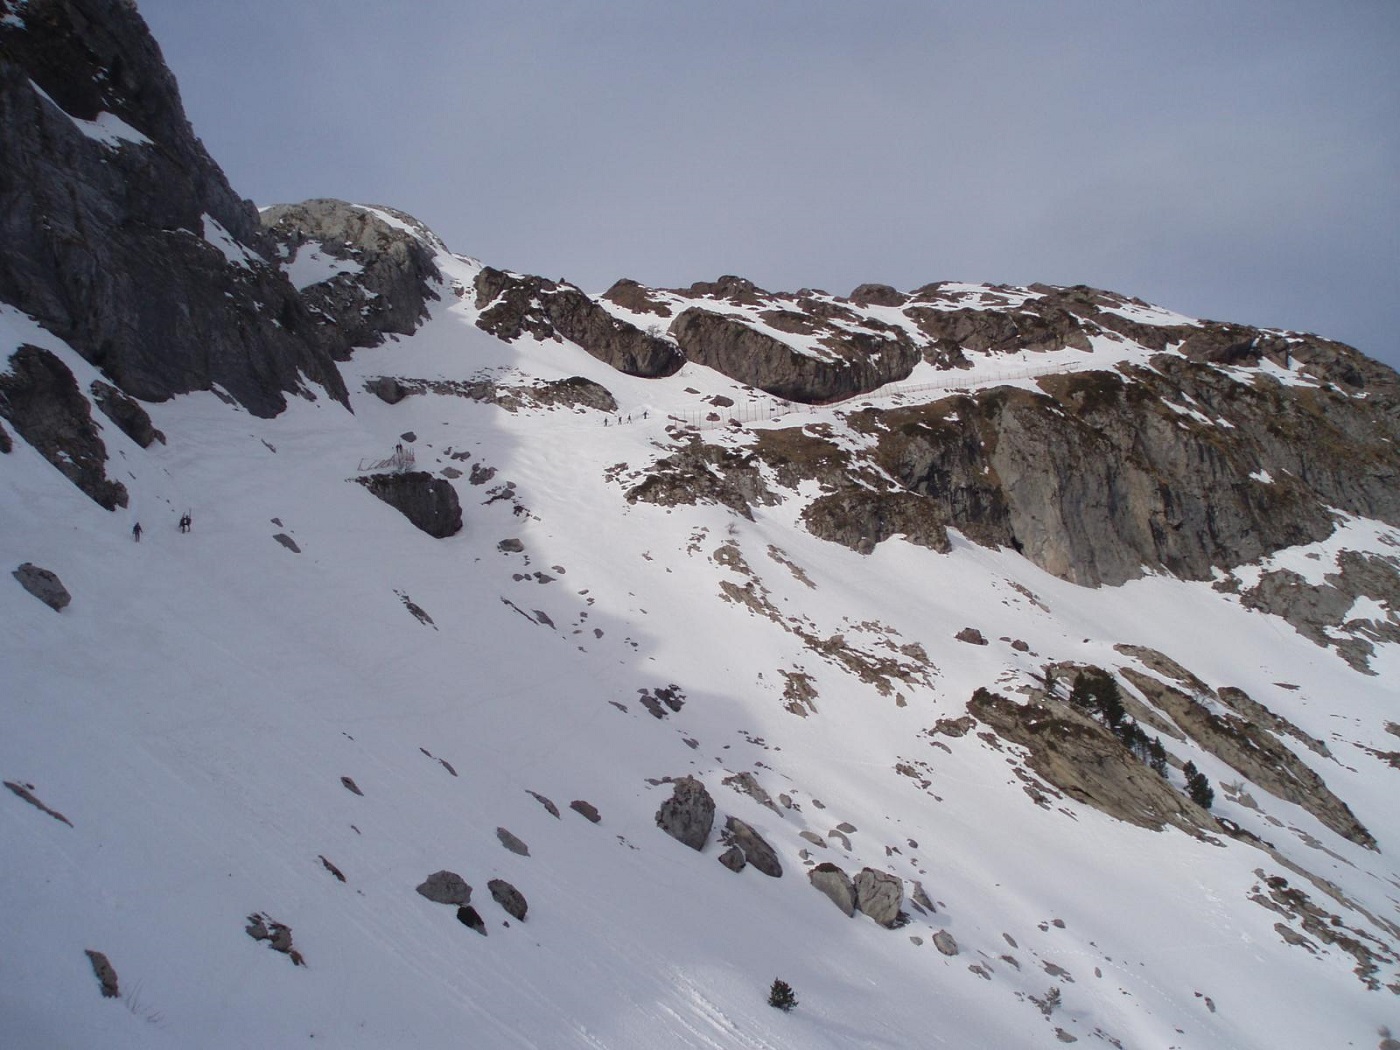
(129, 243)
(755, 850)
(836, 884)
(879, 895)
(429, 503)
(446, 887)
(688, 814)
(44, 585)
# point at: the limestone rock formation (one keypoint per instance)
(515, 305)
(689, 814)
(879, 895)
(40, 397)
(836, 884)
(429, 503)
(445, 887)
(755, 849)
(364, 276)
(133, 420)
(121, 235)
(44, 585)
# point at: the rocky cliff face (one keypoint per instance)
(120, 234)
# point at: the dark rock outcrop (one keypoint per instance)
(40, 397)
(853, 362)
(105, 973)
(515, 305)
(445, 887)
(586, 810)
(44, 585)
(755, 849)
(126, 413)
(879, 895)
(689, 814)
(391, 273)
(430, 503)
(121, 235)
(471, 918)
(836, 884)
(508, 897)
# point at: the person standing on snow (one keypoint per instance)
(136, 532)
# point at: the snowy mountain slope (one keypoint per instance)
(193, 711)
(876, 628)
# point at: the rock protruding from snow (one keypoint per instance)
(133, 420)
(510, 842)
(430, 503)
(972, 636)
(445, 887)
(586, 810)
(41, 398)
(471, 918)
(945, 943)
(508, 897)
(513, 305)
(733, 859)
(879, 895)
(105, 973)
(836, 884)
(44, 585)
(362, 275)
(689, 814)
(755, 849)
(278, 935)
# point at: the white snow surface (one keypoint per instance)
(194, 709)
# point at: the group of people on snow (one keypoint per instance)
(186, 521)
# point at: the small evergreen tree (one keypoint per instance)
(781, 995)
(1197, 786)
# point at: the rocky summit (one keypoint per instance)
(1049, 634)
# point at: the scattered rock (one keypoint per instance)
(510, 546)
(549, 806)
(351, 786)
(733, 859)
(26, 792)
(688, 814)
(44, 585)
(445, 887)
(508, 897)
(972, 636)
(920, 900)
(105, 974)
(261, 927)
(586, 810)
(944, 942)
(756, 851)
(836, 884)
(287, 542)
(471, 918)
(512, 843)
(331, 868)
(746, 783)
(879, 895)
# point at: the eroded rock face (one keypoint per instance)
(755, 849)
(836, 884)
(126, 413)
(879, 895)
(689, 814)
(430, 503)
(516, 305)
(44, 585)
(40, 397)
(855, 362)
(1081, 758)
(389, 273)
(134, 249)
(1254, 752)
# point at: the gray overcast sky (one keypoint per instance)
(1233, 159)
